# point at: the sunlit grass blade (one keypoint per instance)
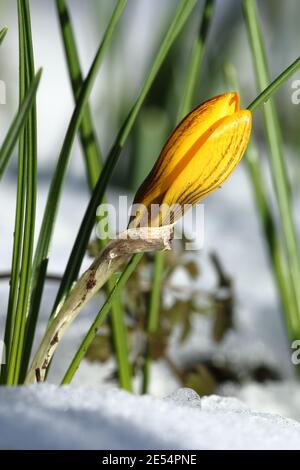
(120, 338)
(79, 248)
(88, 138)
(17, 124)
(3, 34)
(153, 314)
(19, 217)
(268, 91)
(100, 318)
(28, 155)
(184, 108)
(277, 162)
(192, 75)
(48, 222)
(277, 255)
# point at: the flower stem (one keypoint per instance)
(100, 318)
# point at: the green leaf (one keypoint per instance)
(195, 60)
(3, 34)
(276, 157)
(48, 222)
(27, 204)
(87, 133)
(18, 123)
(268, 91)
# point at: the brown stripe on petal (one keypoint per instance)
(182, 199)
(161, 175)
(203, 192)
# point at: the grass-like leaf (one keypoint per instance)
(267, 92)
(18, 122)
(48, 222)
(192, 75)
(120, 337)
(153, 313)
(87, 134)
(21, 269)
(19, 218)
(277, 161)
(3, 34)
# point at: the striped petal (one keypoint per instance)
(190, 134)
(209, 165)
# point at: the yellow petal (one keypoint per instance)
(192, 131)
(207, 167)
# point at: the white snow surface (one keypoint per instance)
(277, 397)
(48, 417)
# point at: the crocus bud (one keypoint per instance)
(197, 158)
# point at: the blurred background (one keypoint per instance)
(221, 328)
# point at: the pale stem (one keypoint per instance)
(117, 252)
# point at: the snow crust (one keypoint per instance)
(48, 417)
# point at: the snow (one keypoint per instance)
(278, 397)
(48, 417)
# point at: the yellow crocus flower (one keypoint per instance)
(197, 158)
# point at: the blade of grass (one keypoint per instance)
(195, 60)
(79, 247)
(93, 163)
(153, 314)
(89, 143)
(48, 222)
(266, 93)
(120, 283)
(18, 122)
(120, 337)
(277, 256)
(19, 219)
(3, 33)
(185, 107)
(277, 163)
(29, 147)
(105, 309)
